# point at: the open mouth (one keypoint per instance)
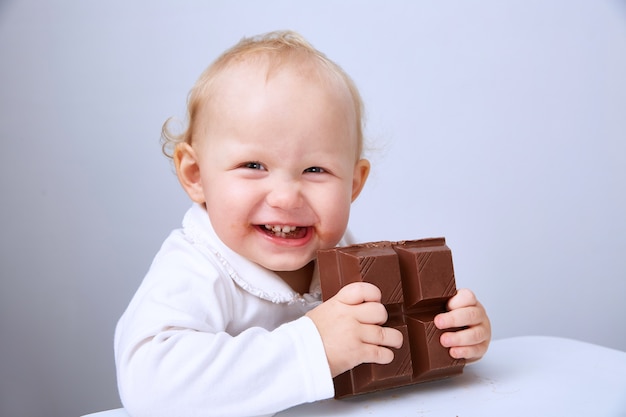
(284, 231)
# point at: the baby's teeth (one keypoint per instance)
(280, 229)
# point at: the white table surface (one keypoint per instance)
(521, 376)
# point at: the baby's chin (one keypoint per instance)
(288, 266)
(294, 259)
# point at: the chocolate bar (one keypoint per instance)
(416, 279)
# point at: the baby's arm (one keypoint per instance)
(466, 311)
(192, 343)
(350, 327)
(187, 372)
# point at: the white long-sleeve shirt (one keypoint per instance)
(209, 333)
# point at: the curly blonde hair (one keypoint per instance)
(279, 47)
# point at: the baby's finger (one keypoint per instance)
(376, 354)
(470, 344)
(466, 337)
(358, 292)
(462, 317)
(370, 313)
(463, 298)
(469, 353)
(381, 336)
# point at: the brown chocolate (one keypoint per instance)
(416, 279)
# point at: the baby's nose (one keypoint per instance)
(285, 194)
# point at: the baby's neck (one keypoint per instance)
(300, 279)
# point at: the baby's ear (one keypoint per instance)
(188, 172)
(361, 172)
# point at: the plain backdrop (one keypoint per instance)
(500, 125)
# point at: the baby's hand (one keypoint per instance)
(472, 342)
(350, 326)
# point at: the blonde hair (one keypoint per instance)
(280, 47)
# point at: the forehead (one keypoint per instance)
(253, 97)
(249, 80)
(260, 69)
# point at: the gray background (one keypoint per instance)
(497, 124)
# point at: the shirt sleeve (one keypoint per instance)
(174, 356)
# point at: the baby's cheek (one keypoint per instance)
(333, 212)
(331, 234)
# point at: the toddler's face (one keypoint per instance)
(277, 163)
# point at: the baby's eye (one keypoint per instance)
(253, 165)
(316, 170)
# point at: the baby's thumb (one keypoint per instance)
(358, 293)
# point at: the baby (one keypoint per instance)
(228, 320)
